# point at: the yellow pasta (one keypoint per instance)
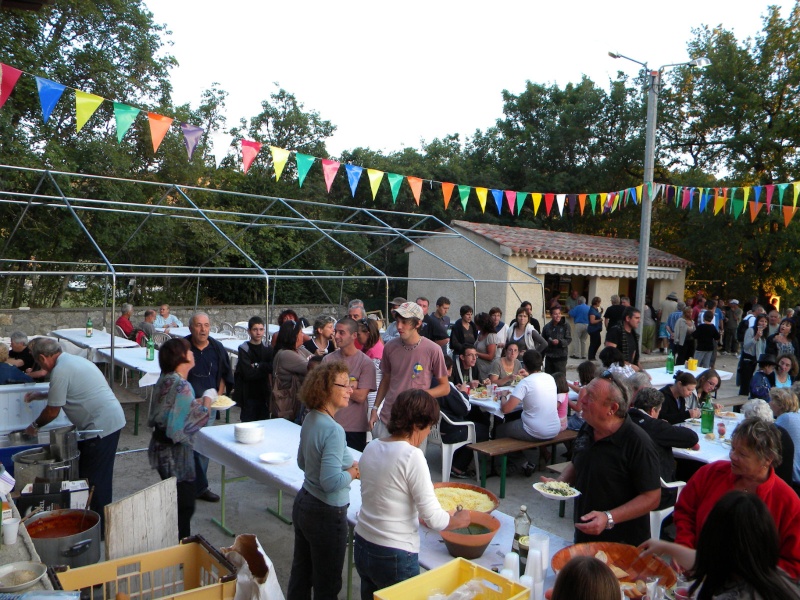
(450, 498)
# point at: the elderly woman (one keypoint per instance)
(764, 378)
(321, 342)
(176, 416)
(755, 451)
(523, 333)
(760, 409)
(289, 368)
(539, 398)
(319, 514)
(752, 553)
(507, 368)
(784, 405)
(754, 345)
(786, 371)
(485, 344)
(396, 493)
(677, 399)
(464, 331)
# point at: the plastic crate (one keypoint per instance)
(193, 570)
(450, 576)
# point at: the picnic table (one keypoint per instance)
(99, 340)
(659, 377)
(710, 450)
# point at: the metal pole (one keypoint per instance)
(647, 203)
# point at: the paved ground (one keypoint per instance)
(247, 500)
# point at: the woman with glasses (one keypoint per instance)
(319, 514)
(321, 343)
(708, 383)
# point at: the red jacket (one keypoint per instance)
(712, 481)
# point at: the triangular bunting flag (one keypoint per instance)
(703, 200)
(510, 200)
(498, 200)
(637, 194)
(304, 162)
(8, 79)
(593, 202)
(788, 213)
(582, 202)
(719, 202)
(548, 203)
(769, 190)
(463, 191)
(737, 206)
(249, 151)
(85, 105)
(571, 203)
(192, 134)
(754, 208)
(613, 201)
(687, 197)
(747, 193)
(537, 202)
(375, 177)
(603, 197)
(159, 125)
(781, 190)
(560, 198)
(415, 183)
(279, 158)
(329, 170)
(521, 196)
(796, 186)
(49, 94)
(481, 192)
(447, 192)
(353, 175)
(395, 181)
(757, 193)
(125, 116)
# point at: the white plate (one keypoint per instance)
(275, 458)
(6, 570)
(539, 487)
(223, 408)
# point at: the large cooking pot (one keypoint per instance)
(64, 442)
(66, 537)
(38, 464)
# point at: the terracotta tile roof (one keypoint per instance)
(540, 243)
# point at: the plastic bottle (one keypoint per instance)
(522, 527)
(707, 417)
(151, 349)
(89, 328)
(670, 363)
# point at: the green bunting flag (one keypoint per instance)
(304, 162)
(395, 181)
(521, 197)
(463, 191)
(593, 200)
(125, 116)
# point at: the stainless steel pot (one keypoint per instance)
(64, 442)
(66, 537)
(37, 464)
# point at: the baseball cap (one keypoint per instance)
(409, 310)
(733, 302)
(398, 301)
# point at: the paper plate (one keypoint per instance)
(8, 572)
(539, 487)
(275, 458)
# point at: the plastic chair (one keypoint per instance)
(159, 337)
(119, 333)
(434, 437)
(240, 332)
(226, 327)
(657, 516)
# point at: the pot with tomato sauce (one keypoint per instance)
(66, 537)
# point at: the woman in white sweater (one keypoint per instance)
(396, 492)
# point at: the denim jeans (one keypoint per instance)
(380, 566)
(320, 541)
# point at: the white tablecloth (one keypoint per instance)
(660, 377)
(232, 345)
(99, 339)
(134, 358)
(184, 331)
(492, 406)
(710, 451)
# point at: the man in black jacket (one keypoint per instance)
(252, 388)
(559, 336)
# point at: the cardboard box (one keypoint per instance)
(53, 496)
(78, 492)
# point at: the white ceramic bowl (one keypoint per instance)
(248, 433)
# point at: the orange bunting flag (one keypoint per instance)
(249, 151)
(537, 202)
(375, 178)
(159, 125)
(447, 192)
(416, 187)
(85, 105)
(329, 170)
(755, 207)
(481, 192)
(279, 158)
(788, 213)
(582, 201)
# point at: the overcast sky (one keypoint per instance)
(390, 74)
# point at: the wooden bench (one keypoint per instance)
(560, 468)
(504, 446)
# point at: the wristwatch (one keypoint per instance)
(610, 523)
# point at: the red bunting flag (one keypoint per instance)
(249, 151)
(329, 170)
(548, 202)
(8, 79)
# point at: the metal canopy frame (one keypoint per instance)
(330, 224)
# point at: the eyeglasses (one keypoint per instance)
(608, 375)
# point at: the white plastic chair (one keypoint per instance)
(434, 437)
(241, 333)
(657, 516)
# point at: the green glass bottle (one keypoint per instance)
(670, 363)
(89, 328)
(706, 417)
(151, 349)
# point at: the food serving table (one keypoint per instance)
(99, 339)
(710, 450)
(659, 377)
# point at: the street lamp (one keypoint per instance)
(653, 88)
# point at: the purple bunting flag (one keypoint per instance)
(192, 135)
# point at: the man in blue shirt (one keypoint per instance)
(580, 315)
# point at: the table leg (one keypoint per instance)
(279, 513)
(136, 419)
(484, 467)
(221, 522)
(503, 464)
(562, 505)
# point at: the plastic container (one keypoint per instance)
(193, 570)
(450, 576)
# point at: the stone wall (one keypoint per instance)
(39, 321)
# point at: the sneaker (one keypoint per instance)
(528, 469)
(460, 474)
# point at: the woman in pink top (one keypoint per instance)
(370, 339)
(563, 397)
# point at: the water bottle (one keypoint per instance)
(89, 328)
(522, 528)
(707, 417)
(670, 363)
(151, 349)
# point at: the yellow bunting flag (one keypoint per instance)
(481, 192)
(375, 178)
(447, 192)
(416, 187)
(279, 158)
(719, 203)
(537, 202)
(603, 197)
(159, 125)
(796, 186)
(85, 105)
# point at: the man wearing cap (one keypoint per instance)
(733, 316)
(409, 361)
(668, 306)
(391, 330)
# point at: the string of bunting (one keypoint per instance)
(719, 199)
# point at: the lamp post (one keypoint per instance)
(653, 87)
